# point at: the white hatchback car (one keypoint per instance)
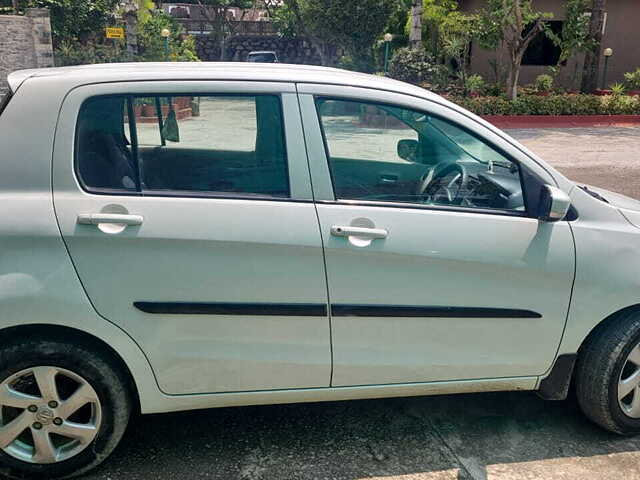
(183, 236)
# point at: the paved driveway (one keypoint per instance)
(496, 436)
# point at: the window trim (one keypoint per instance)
(529, 211)
(140, 191)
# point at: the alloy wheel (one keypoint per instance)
(47, 415)
(629, 384)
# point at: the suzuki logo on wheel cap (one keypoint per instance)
(45, 416)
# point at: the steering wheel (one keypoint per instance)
(443, 177)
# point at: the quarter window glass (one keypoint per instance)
(385, 153)
(216, 144)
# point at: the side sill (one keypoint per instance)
(555, 386)
(173, 403)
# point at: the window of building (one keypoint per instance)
(542, 50)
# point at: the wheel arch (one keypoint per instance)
(65, 333)
(556, 384)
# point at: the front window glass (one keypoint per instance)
(385, 153)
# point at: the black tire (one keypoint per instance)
(100, 372)
(600, 363)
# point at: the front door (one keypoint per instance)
(186, 210)
(436, 269)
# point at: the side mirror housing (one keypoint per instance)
(407, 149)
(554, 204)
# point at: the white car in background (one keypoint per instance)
(184, 236)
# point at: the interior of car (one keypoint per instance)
(441, 165)
(180, 163)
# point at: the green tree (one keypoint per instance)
(592, 58)
(514, 24)
(182, 47)
(353, 25)
(76, 20)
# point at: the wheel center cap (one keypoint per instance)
(45, 416)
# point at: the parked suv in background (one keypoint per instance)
(184, 236)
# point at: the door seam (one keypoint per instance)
(324, 255)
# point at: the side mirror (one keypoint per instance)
(554, 204)
(408, 149)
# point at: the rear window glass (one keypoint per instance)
(211, 144)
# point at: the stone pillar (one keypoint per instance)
(130, 16)
(41, 33)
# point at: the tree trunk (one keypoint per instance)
(512, 78)
(592, 57)
(415, 34)
(15, 4)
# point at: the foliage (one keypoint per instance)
(632, 79)
(76, 20)
(474, 84)
(575, 30)
(544, 83)
(617, 89)
(73, 53)
(353, 26)
(182, 47)
(514, 23)
(552, 105)
(413, 66)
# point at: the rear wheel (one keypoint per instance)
(608, 375)
(63, 409)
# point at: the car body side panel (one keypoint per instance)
(608, 262)
(38, 283)
(205, 250)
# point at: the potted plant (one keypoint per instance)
(544, 84)
(632, 80)
(474, 84)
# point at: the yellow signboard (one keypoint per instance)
(115, 32)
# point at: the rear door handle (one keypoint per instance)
(362, 232)
(114, 218)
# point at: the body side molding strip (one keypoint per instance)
(337, 310)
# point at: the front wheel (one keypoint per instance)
(63, 409)
(608, 375)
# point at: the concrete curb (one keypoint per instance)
(562, 121)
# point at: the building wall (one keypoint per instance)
(622, 34)
(25, 42)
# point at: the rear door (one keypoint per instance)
(440, 272)
(194, 230)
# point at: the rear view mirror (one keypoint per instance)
(554, 204)
(408, 149)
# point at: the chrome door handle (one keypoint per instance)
(114, 218)
(362, 232)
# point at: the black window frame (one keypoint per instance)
(544, 43)
(140, 191)
(530, 182)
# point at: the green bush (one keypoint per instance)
(617, 89)
(474, 83)
(413, 66)
(632, 79)
(544, 83)
(552, 105)
(73, 53)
